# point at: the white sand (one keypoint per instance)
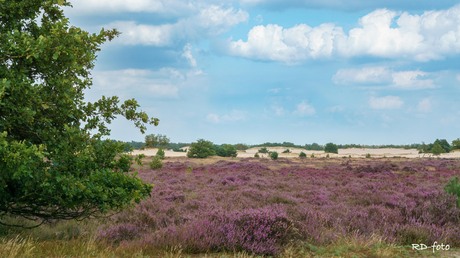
(294, 152)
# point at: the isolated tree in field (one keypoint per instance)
(456, 144)
(444, 145)
(331, 148)
(226, 150)
(274, 155)
(156, 141)
(201, 149)
(54, 163)
(437, 149)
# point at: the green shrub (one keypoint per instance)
(331, 148)
(160, 154)
(287, 151)
(437, 149)
(263, 150)
(302, 155)
(274, 155)
(156, 163)
(453, 187)
(226, 150)
(312, 155)
(368, 156)
(201, 149)
(256, 155)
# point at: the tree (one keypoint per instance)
(444, 145)
(156, 141)
(456, 144)
(160, 154)
(201, 149)
(437, 149)
(331, 148)
(302, 155)
(226, 150)
(274, 155)
(54, 161)
(263, 150)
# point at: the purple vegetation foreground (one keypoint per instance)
(260, 206)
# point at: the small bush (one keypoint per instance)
(302, 155)
(201, 149)
(312, 155)
(256, 155)
(226, 150)
(263, 150)
(274, 155)
(287, 151)
(160, 154)
(156, 163)
(368, 156)
(331, 148)
(453, 187)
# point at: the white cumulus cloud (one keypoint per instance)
(209, 21)
(386, 102)
(382, 33)
(410, 79)
(366, 75)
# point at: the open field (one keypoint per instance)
(240, 207)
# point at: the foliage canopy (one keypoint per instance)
(54, 161)
(331, 148)
(201, 149)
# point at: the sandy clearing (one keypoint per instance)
(294, 152)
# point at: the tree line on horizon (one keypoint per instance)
(439, 146)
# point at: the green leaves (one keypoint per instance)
(53, 161)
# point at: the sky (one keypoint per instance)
(301, 71)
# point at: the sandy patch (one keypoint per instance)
(294, 153)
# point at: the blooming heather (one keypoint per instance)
(259, 205)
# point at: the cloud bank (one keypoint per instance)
(382, 33)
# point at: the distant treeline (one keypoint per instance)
(313, 146)
(162, 141)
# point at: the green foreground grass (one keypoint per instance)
(78, 239)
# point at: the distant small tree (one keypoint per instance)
(160, 154)
(453, 187)
(263, 150)
(156, 163)
(156, 141)
(437, 149)
(241, 146)
(201, 149)
(302, 155)
(274, 155)
(444, 145)
(331, 148)
(226, 150)
(313, 146)
(456, 144)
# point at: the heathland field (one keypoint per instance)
(244, 207)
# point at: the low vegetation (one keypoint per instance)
(248, 207)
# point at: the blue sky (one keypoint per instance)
(252, 71)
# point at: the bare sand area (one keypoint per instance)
(294, 152)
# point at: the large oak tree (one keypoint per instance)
(55, 160)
